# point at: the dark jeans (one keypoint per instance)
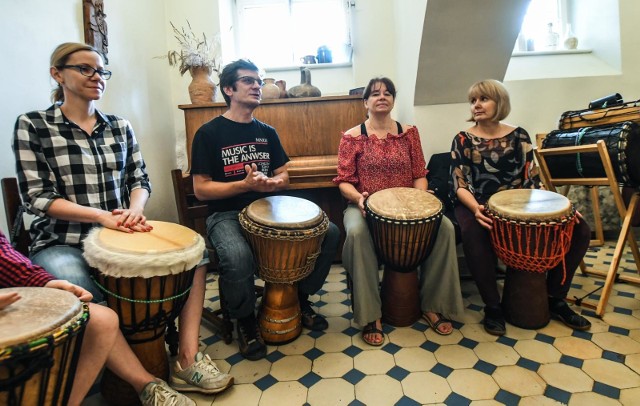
(482, 260)
(237, 268)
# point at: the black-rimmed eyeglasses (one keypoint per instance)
(88, 71)
(250, 80)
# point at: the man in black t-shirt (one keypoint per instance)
(236, 160)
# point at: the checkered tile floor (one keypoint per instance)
(416, 366)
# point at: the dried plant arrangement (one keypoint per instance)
(194, 52)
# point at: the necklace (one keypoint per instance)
(382, 132)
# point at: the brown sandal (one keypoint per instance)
(372, 329)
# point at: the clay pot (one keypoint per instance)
(305, 88)
(282, 85)
(201, 89)
(270, 90)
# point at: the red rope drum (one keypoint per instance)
(532, 229)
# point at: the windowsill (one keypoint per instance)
(554, 52)
(311, 66)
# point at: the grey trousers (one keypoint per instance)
(438, 274)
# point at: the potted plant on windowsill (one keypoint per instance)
(201, 58)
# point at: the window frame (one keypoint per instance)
(239, 30)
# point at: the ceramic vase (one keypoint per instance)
(201, 89)
(305, 88)
(283, 88)
(570, 41)
(270, 90)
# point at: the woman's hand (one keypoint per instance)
(361, 201)
(484, 221)
(82, 294)
(132, 218)
(8, 298)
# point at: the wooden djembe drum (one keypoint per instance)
(531, 234)
(146, 278)
(40, 342)
(404, 223)
(285, 234)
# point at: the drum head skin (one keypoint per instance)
(285, 212)
(167, 249)
(403, 203)
(530, 205)
(38, 313)
(165, 237)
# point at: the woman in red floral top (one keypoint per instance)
(489, 157)
(379, 154)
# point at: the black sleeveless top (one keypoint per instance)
(363, 129)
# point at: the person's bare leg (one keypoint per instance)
(190, 318)
(99, 338)
(124, 363)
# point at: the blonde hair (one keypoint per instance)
(59, 57)
(495, 91)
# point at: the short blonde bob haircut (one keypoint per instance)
(495, 91)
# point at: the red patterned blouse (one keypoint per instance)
(371, 164)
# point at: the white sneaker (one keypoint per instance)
(202, 376)
(158, 393)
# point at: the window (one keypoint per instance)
(275, 33)
(544, 27)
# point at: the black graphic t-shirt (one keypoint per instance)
(221, 148)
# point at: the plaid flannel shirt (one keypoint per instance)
(55, 159)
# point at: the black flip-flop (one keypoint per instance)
(434, 325)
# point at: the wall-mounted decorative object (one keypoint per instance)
(95, 26)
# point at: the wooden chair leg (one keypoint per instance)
(597, 218)
(220, 319)
(625, 233)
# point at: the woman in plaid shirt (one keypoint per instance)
(79, 168)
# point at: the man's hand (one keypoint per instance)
(258, 181)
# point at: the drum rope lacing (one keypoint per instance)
(126, 299)
(539, 245)
(578, 142)
(289, 275)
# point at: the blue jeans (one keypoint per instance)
(237, 267)
(66, 262)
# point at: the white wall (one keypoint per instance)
(31, 29)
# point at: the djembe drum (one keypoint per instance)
(286, 235)
(531, 234)
(404, 224)
(40, 343)
(146, 278)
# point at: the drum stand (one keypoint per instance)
(626, 233)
